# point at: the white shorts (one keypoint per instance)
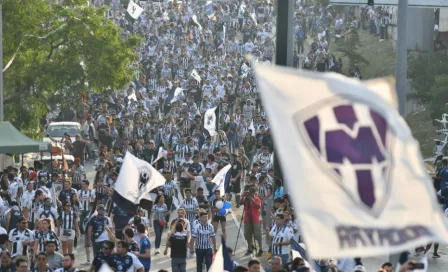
(67, 238)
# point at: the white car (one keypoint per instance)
(56, 130)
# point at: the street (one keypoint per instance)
(233, 222)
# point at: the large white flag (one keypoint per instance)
(210, 121)
(353, 168)
(134, 10)
(135, 180)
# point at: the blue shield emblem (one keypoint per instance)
(351, 143)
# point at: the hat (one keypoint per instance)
(77, 159)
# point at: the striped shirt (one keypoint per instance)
(85, 197)
(68, 220)
(280, 234)
(51, 213)
(190, 205)
(17, 238)
(152, 84)
(169, 187)
(159, 211)
(33, 211)
(43, 237)
(203, 234)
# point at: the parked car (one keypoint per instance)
(56, 130)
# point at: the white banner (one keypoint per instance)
(134, 10)
(136, 179)
(210, 121)
(340, 140)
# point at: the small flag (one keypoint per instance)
(195, 20)
(160, 115)
(352, 139)
(222, 261)
(224, 32)
(299, 251)
(134, 10)
(254, 18)
(131, 98)
(209, 10)
(196, 76)
(252, 127)
(218, 182)
(135, 180)
(177, 94)
(211, 121)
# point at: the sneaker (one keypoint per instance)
(157, 251)
(435, 255)
(87, 262)
(381, 40)
(74, 251)
(260, 253)
(248, 252)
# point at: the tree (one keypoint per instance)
(428, 74)
(60, 51)
(351, 47)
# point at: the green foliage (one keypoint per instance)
(62, 50)
(428, 74)
(351, 48)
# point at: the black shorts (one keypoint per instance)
(236, 187)
(219, 218)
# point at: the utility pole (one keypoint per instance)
(284, 48)
(401, 78)
(2, 110)
(402, 56)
